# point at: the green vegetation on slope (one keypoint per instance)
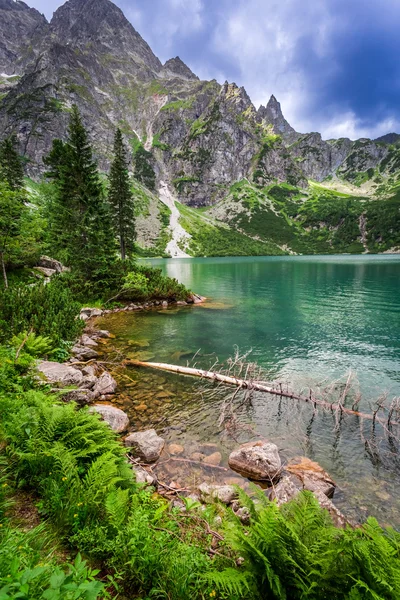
(208, 238)
(313, 221)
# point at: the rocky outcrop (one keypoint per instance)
(272, 115)
(147, 445)
(257, 460)
(116, 418)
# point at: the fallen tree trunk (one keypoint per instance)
(259, 387)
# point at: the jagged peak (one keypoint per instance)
(176, 66)
(79, 21)
(19, 6)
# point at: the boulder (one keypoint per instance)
(105, 385)
(257, 460)
(103, 333)
(147, 445)
(91, 312)
(50, 263)
(60, 373)
(312, 476)
(224, 493)
(83, 353)
(46, 272)
(80, 396)
(89, 370)
(115, 417)
(88, 382)
(85, 340)
(286, 489)
(143, 476)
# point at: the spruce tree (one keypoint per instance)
(80, 223)
(11, 169)
(120, 198)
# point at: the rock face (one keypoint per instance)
(256, 460)
(115, 417)
(147, 445)
(201, 137)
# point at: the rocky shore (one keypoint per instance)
(85, 380)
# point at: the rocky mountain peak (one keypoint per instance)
(18, 25)
(82, 23)
(175, 67)
(272, 115)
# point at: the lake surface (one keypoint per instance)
(308, 321)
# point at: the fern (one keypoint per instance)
(117, 505)
(231, 581)
(32, 344)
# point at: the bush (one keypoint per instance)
(46, 310)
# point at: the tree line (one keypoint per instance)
(88, 217)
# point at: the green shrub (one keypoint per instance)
(46, 309)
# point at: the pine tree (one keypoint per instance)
(120, 198)
(11, 168)
(144, 171)
(80, 223)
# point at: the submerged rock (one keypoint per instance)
(147, 445)
(115, 417)
(257, 460)
(213, 459)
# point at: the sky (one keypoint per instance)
(332, 64)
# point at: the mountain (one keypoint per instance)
(200, 138)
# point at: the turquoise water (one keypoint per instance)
(308, 321)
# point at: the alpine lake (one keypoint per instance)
(309, 322)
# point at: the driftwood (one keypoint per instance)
(257, 386)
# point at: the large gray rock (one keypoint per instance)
(115, 417)
(60, 373)
(87, 341)
(224, 493)
(91, 312)
(81, 396)
(83, 352)
(147, 445)
(256, 460)
(45, 262)
(105, 385)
